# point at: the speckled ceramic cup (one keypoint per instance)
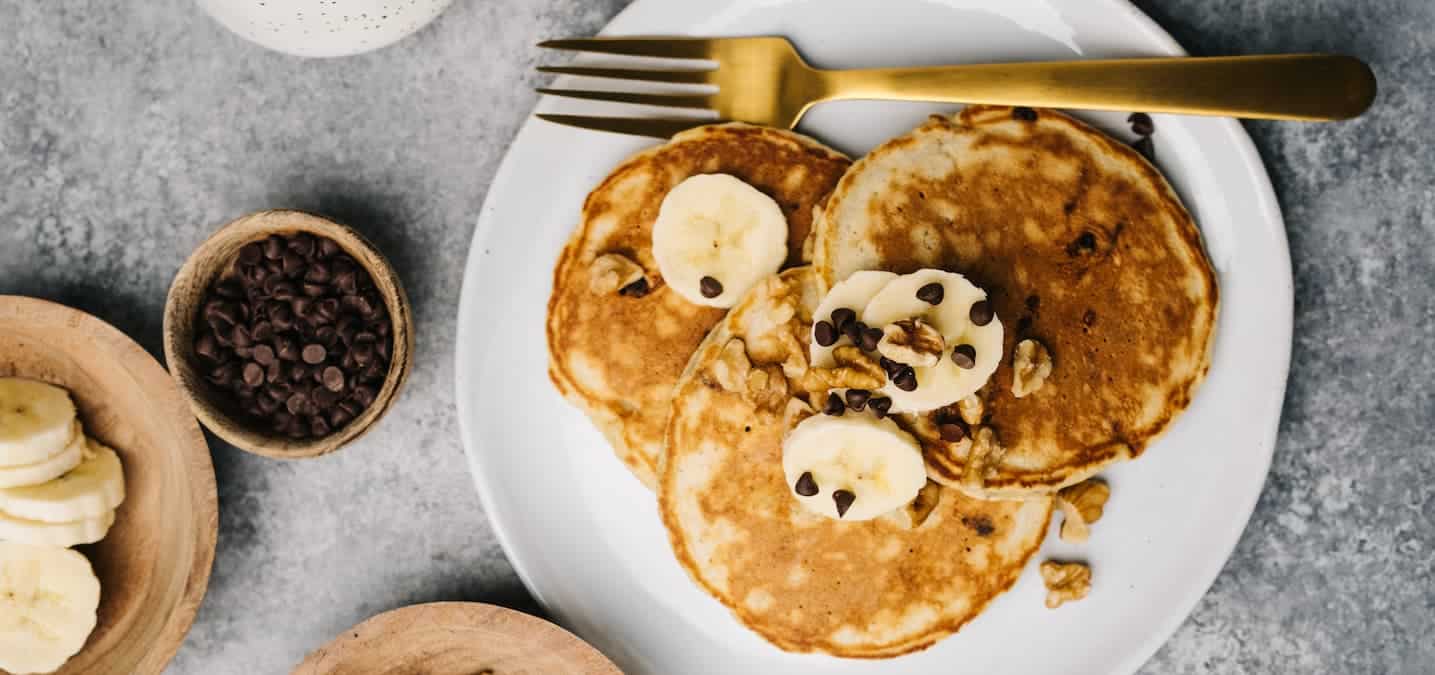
(324, 27)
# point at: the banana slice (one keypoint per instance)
(37, 421)
(60, 535)
(854, 467)
(87, 492)
(47, 469)
(716, 236)
(48, 599)
(950, 311)
(852, 293)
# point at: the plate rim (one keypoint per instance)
(1266, 204)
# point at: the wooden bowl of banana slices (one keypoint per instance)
(108, 508)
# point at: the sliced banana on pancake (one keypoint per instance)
(47, 469)
(967, 353)
(851, 294)
(37, 421)
(853, 467)
(715, 237)
(48, 600)
(87, 492)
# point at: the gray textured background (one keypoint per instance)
(128, 131)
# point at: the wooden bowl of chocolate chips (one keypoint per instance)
(289, 333)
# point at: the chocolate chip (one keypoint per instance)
(297, 403)
(327, 248)
(1024, 114)
(857, 399)
(313, 290)
(251, 254)
(870, 338)
(1033, 302)
(710, 287)
(273, 248)
(240, 337)
(274, 372)
(636, 289)
(841, 317)
(843, 499)
(951, 432)
(932, 293)
(982, 524)
(263, 331)
(824, 334)
(1146, 147)
(834, 406)
(253, 374)
(327, 336)
(853, 331)
(333, 379)
(1141, 124)
(880, 406)
(365, 395)
(228, 289)
(906, 379)
(338, 417)
(890, 367)
(293, 264)
(318, 428)
(206, 347)
(1088, 319)
(981, 313)
(264, 354)
(965, 356)
(324, 398)
(303, 244)
(363, 352)
(805, 486)
(327, 310)
(314, 354)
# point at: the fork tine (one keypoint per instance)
(666, 100)
(671, 48)
(673, 76)
(656, 128)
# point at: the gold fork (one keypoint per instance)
(763, 80)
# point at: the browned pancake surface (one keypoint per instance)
(805, 582)
(618, 357)
(1082, 245)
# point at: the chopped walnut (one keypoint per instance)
(731, 368)
(970, 408)
(913, 342)
(914, 513)
(796, 411)
(854, 370)
(612, 272)
(1030, 368)
(985, 454)
(767, 387)
(1081, 505)
(1065, 582)
(795, 365)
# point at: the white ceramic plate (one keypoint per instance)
(585, 536)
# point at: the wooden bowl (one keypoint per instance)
(154, 565)
(456, 638)
(209, 261)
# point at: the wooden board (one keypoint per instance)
(154, 565)
(456, 638)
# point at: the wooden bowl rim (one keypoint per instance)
(205, 263)
(393, 624)
(204, 490)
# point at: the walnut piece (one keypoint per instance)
(767, 387)
(854, 370)
(1065, 582)
(985, 454)
(970, 408)
(612, 272)
(1081, 505)
(914, 513)
(1030, 368)
(731, 368)
(913, 342)
(796, 411)
(795, 365)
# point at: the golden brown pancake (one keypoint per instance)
(617, 357)
(807, 583)
(1083, 247)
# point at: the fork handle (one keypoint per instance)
(1311, 87)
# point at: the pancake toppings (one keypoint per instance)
(857, 456)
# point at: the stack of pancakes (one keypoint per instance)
(1080, 243)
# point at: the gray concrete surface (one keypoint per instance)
(129, 130)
